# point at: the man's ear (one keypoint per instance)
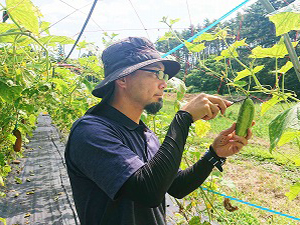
(121, 82)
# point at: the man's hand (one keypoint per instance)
(206, 106)
(228, 143)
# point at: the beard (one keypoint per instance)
(154, 107)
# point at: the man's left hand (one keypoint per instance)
(228, 143)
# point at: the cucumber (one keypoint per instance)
(245, 117)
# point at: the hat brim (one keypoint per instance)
(171, 68)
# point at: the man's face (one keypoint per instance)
(145, 89)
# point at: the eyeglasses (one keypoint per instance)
(159, 74)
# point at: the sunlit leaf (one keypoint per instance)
(229, 52)
(4, 27)
(32, 119)
(202, 127)
(81, 45)
(286, 18)
(44, 27)
(269, 104)
(12, 138)
(53, 39)
(294, 191)
(205, 37)
(172, 21)
(246, 72)
(218, 58)
(194, 47)
(287, 137)
(240, 43)
(9, 93)
(24, 13)
(196, 220)
(177, 86)
(288, 119)
(167, 35)
(239, 83)
(297, 162)
(1, 181)
(277, 51)
(285, 22)
(286, 67)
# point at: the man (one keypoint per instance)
(118, 170)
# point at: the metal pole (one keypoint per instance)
(292, 53)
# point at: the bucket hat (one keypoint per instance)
(126, 56)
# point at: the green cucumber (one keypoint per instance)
(245, 118)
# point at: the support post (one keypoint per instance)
(287, 40)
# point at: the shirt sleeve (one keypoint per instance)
(97, 152)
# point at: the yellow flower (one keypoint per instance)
(202, 127)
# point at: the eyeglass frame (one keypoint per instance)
(161, 75)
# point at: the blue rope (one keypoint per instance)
(205, 29)
(256, 206)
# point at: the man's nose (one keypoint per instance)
(163, 84)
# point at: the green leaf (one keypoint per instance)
(294, 191)
(11, 138)
(9, 93)
(4, 27)
(61, 85)
(172, 21)
(194, 47)
(269, 104)
(277, 51)
(44, 27)
(287, 137)
(196, 220)
(205, 37)
(178, 86)
(288, 119)
(285, 22)
(218, 58)
(24, 13)
(240, 43)
(32, 119)
(286, 67)
(297, 162)
(246, 72)
(1, 181)
(3, 220)
(168, 35)
(52, 40)
(88, 85)
(286, 18)
(239, 83)
(229, 53)
(81, 45)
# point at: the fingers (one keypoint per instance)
(229, 130)
(249, 134)
(222, 104)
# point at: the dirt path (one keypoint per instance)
(44, 197)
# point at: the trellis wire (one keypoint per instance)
(251, 204)
(206, 29)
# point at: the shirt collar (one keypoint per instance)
(112, 113)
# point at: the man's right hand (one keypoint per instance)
(206, 107)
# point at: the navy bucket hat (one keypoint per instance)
(126, 56)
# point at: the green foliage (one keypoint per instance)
(288, 119)
(30, 84)
(24, 14)
(294, 191)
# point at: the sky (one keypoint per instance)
(128, 17)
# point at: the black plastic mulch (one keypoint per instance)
(44, 197)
